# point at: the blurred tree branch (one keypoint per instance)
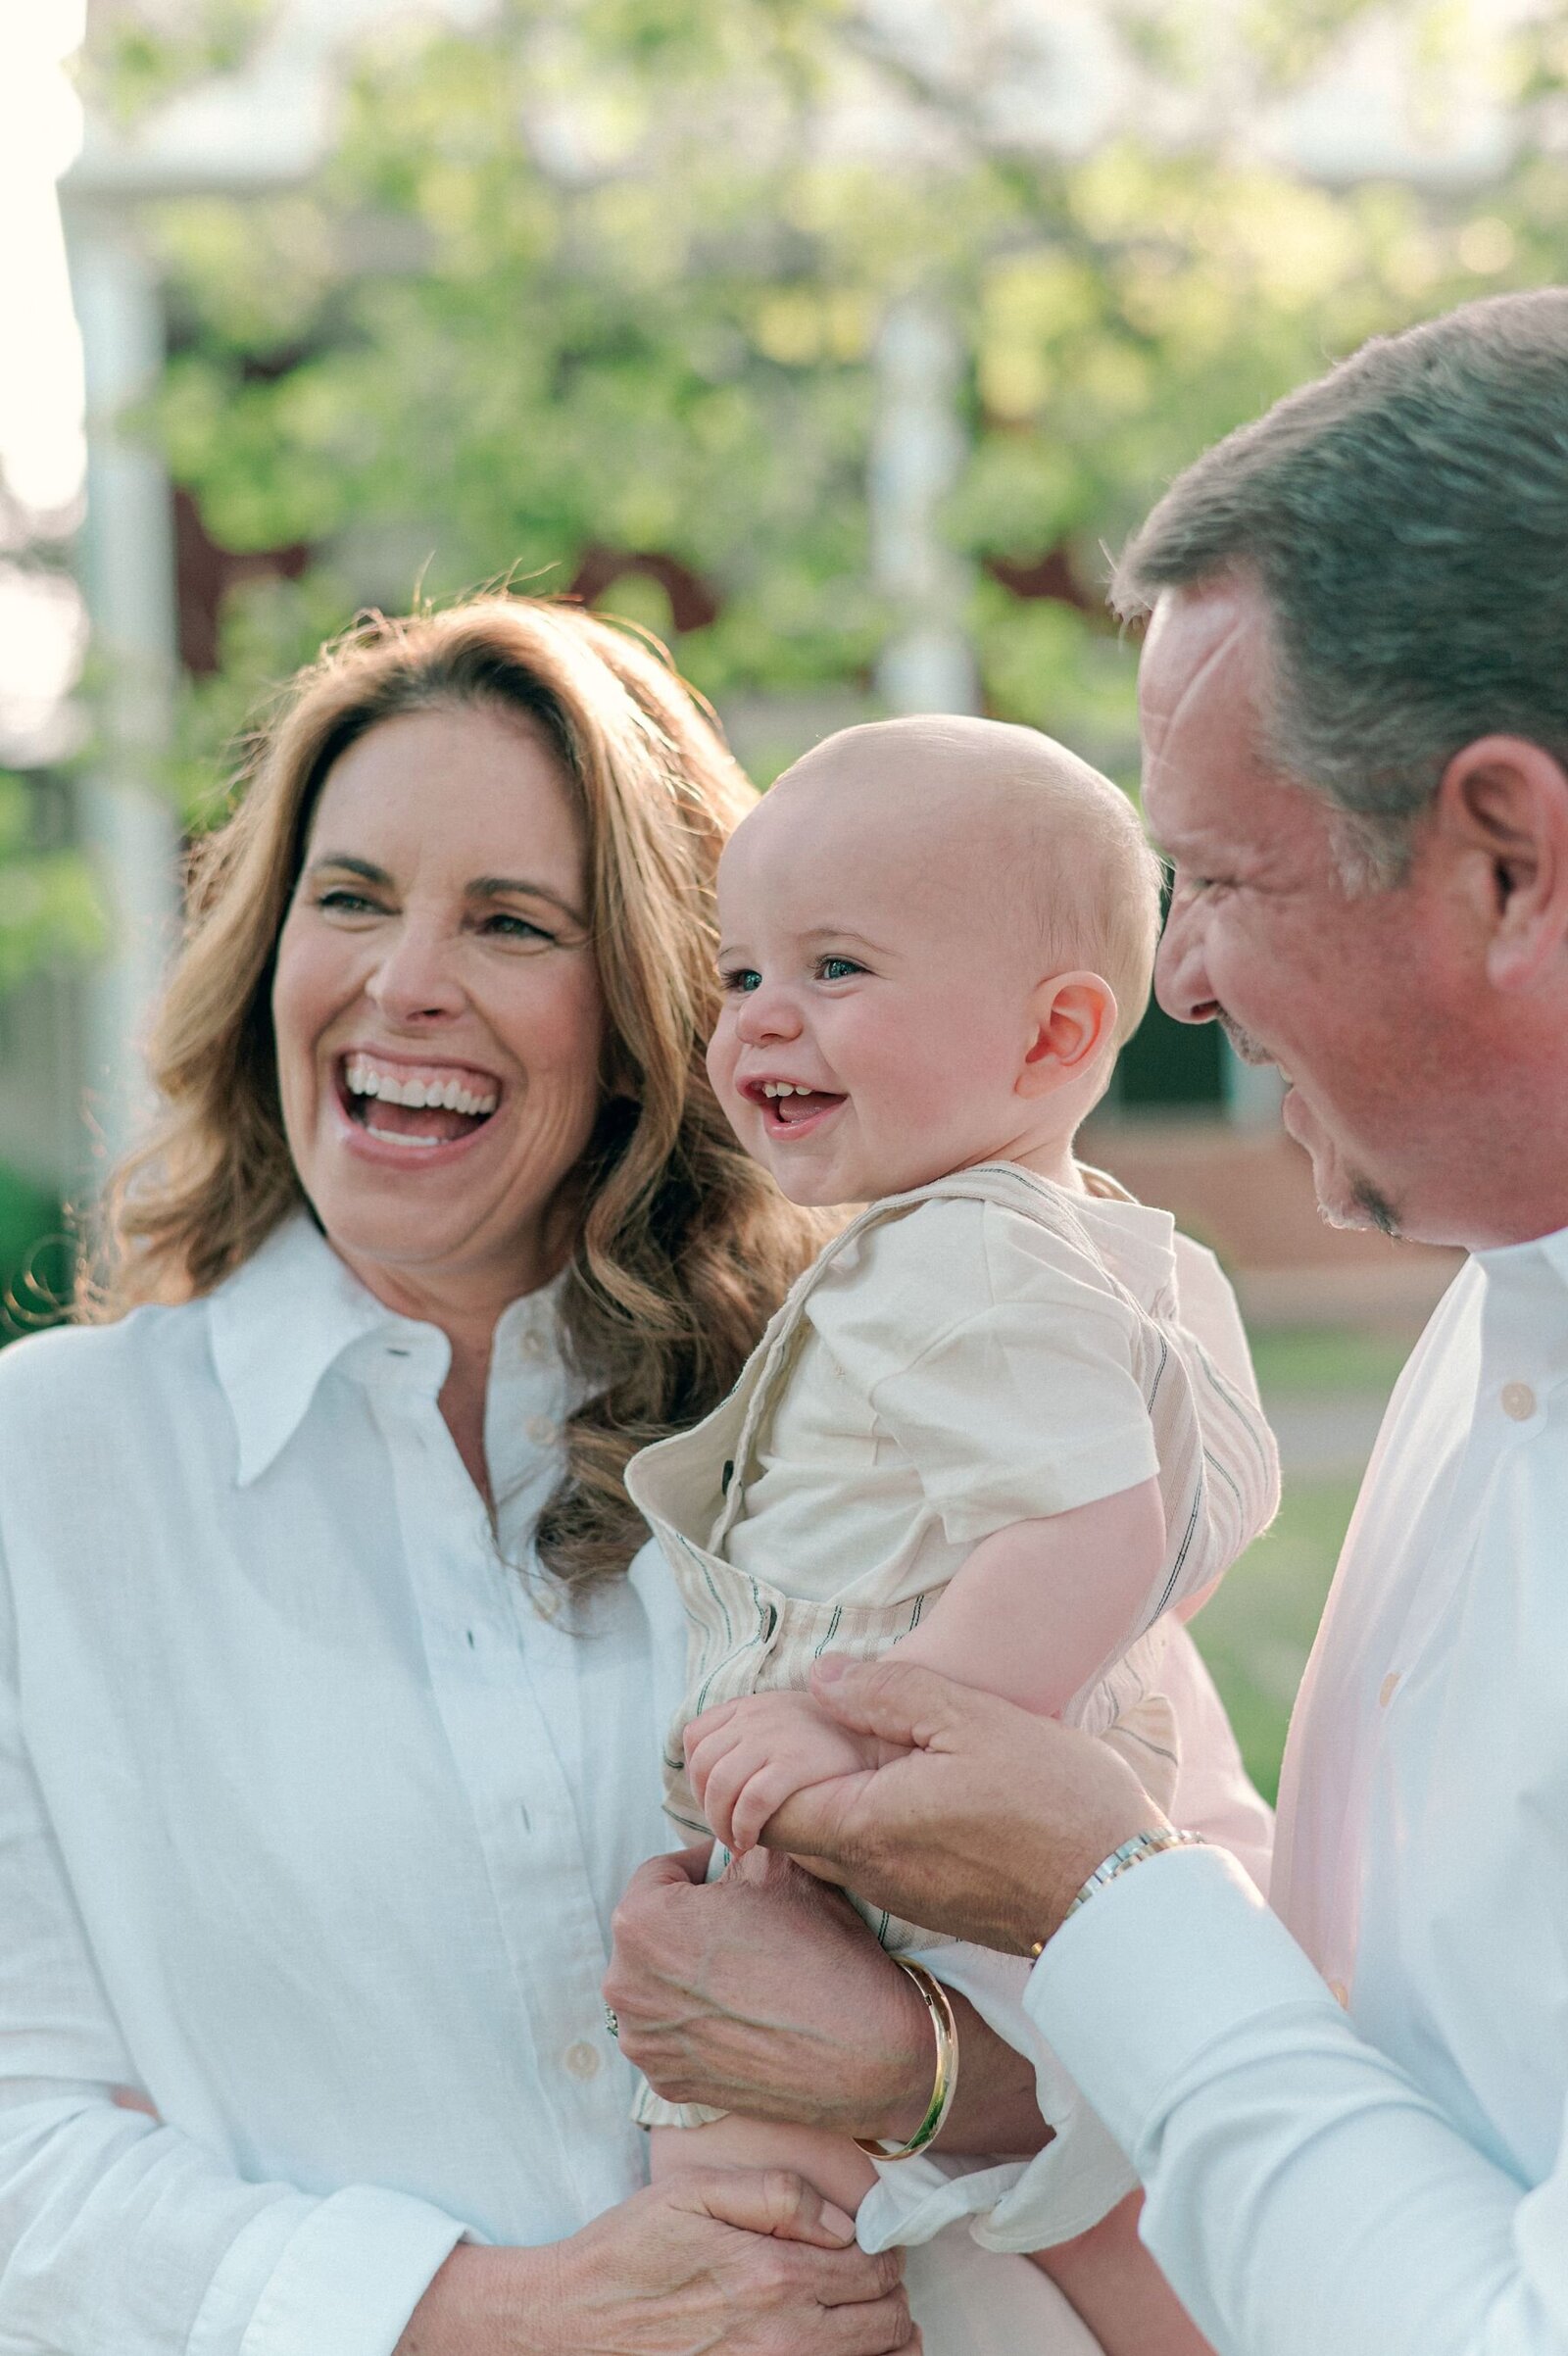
(606, 275)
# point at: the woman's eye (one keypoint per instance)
(343, 903)
(741, 980)
(508, 927)
(837, 969)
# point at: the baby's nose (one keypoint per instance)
(768, 1013)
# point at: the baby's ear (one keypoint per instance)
(1072, 1023)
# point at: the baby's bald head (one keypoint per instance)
(1015, 834)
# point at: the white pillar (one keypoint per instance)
(129, 825)
(918, 453)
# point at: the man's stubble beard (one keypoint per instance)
(1368, 1204)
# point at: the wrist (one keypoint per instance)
(1145, 1840)
(491, 2302)
(907, 2057)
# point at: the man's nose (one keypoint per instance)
(767, 1012)
(1181, 971)
(417, 979)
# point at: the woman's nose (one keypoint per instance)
(769, 1013)
(417, 979)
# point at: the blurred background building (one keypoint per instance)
(836, 341)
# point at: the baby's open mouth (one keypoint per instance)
(787, 1102)
(416, 1104)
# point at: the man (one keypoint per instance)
(1350, 2113)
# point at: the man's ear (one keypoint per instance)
(1504, 801)
(1072, 1020)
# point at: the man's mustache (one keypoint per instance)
(1250, 1050)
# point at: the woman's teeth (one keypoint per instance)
(363, 1078)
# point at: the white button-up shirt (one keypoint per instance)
(311, 1824)
(311, 1827)
(1368, 2158)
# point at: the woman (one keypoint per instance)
(329, 1712)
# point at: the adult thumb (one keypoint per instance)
(900, 1703)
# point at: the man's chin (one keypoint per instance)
(1346, 1198)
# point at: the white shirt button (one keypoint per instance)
(531, 1346)
(582, 2059)
(1385, 1690)
(1518, 1402)
(542, 1430)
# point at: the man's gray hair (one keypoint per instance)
(1406, 519)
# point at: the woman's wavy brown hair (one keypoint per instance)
(683, 1246)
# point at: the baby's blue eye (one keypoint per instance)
(742, 980)
(837, 969)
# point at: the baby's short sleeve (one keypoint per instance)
(1016, 1394)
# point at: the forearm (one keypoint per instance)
(490, 2302)
(1302, 2193)
(1036, 1609)
(1111, 2280)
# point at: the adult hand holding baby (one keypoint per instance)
(746, 1759)
(762, 1993)
(985, 1821)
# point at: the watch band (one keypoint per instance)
(1122, 1860)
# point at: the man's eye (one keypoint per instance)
(837, 969)
(741, 980)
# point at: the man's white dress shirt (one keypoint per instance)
(1367, 2158)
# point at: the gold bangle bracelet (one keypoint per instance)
(946, 2085)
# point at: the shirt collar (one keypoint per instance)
(294, 1310)
(1523, 1308)
(279, 1324)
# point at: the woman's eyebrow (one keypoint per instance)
(363, 867)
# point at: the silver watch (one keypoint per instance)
(1131, 1852)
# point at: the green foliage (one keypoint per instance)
(609, 275)
(49, 908)
(149, 49)
(1257, 1630)
(35, 1256)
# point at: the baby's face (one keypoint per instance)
(877, 986)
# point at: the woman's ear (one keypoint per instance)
(1504, 806)
(1072, 1021)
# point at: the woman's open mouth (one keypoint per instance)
(415, 1105)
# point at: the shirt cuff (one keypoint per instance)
(1014, 2205)
(1157, 1968)
(348, 2276)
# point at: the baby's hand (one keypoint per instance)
(747, 1759)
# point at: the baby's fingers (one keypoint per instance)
(761, 1797)
(703, 1757)
(712, 1722)
(726, 1780)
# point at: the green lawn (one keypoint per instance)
(1257, 1633)
(1312, 1359)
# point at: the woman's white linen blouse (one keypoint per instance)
(310, 1824)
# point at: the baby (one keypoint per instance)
(981, 1427)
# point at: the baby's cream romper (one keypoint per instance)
(986, 1349)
